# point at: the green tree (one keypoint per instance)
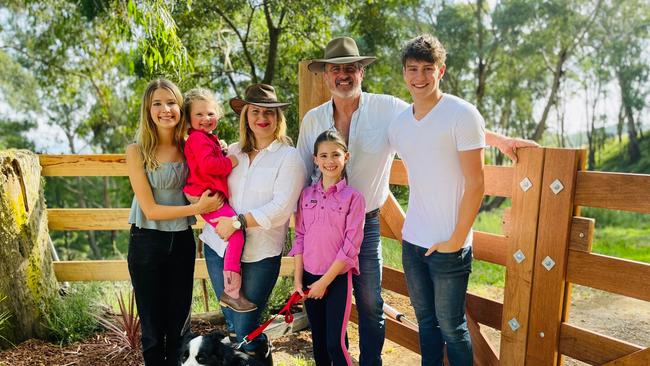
(626, 27)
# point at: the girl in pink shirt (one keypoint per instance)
(209, 169)
(329, 231)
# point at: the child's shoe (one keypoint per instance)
(232, 296)
(239, 304)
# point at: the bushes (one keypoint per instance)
(4, 324)
(281, 293)
(73, 317)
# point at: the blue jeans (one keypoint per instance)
(258, 280)
(367, 293)
(437, 285)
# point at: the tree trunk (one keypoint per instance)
(558, 73)
(619, 125)
(27, 280)
(633, 151)
(274, 37)
(95, 252)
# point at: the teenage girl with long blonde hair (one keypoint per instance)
(161, 243)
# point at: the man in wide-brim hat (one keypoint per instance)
(340, 51)
(363, 119)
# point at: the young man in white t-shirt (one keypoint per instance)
(440, 138)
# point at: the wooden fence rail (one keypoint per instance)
(524, 227)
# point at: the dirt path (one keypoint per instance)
(608, 314)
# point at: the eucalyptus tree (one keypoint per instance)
(626, 27)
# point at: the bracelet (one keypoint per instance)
(242, 219)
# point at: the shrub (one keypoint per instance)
(281, 293)
(73, 317)
(126, 326)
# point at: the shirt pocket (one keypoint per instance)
(262, 180)
(372, 140)
(309, 212)
(337, 212)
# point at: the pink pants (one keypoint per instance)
(232, 257)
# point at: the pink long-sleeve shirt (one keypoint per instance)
(209, 168)
(329, 226)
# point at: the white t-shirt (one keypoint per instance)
(429, 148)
(371, 155)
(269, 189)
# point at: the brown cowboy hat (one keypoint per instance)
(262, 95)
(342, 50)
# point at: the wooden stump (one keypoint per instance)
(27, 281)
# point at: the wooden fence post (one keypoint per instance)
(312, 90)
(526, 190)
(551, 253)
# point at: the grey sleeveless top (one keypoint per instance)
(167, 184)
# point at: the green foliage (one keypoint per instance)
(12, 135)
(198, 303)
(73, 317)
(281, 293)
(624, 242)
(5, 316)
(614, 157)
(391, 252)
(620, 234)
(490, 222)
(486, 274)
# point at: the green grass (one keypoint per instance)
(72, 317)
(623, 242)
(613, 157)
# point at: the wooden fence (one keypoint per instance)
(546, 247)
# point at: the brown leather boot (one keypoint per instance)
(240, 305)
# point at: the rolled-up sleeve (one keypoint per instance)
(286, 189)
(353, 234)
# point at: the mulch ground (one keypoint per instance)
(106, 349)
(100, 349)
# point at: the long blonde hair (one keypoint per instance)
(247, 138)
(146, 137)
(199, 94)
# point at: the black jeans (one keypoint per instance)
(161, 265)
(328, 318)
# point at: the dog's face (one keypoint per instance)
(208, 350)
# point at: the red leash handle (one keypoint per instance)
(288, 317)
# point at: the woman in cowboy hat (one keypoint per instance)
(264, 189)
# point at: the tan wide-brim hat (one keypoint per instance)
(262, 95)
(342, 50)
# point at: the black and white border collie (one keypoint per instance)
(210, 350)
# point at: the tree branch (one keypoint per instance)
(243, 40)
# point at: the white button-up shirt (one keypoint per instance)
(371, 155)
(268, 189)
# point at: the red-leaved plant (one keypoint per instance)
(126, 325)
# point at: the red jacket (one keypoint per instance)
(209, 168)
